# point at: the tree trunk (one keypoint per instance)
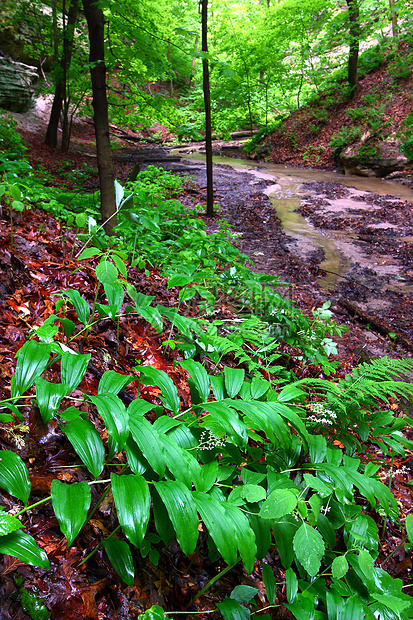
(61, 80)
(207, 101)
(394, 23)
(354, 30)
(96, 23)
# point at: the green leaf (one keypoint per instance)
(89, 252)
(280, 503)
(120, 264)
(182, 512)
(113, 382)
(87, 444)
(199, 376)
(394, 603)
(31, 361)
(245, 537)
(259, 387)
(366, 564)
(292, 584)
(309, 548)
(22, 546)
(70, 504)
(152, 315)
(290, 392)
(120, 556)
(339, 567)
(80, 304)
(73, 368)
(270, 584)
(243, 594)
(154, 613)
(253, 493)
(148, 441)
(49, 396)
(409, 527)
(223, 420)
(106, 273)
(318, 448)
(115, 295)
(220, 526)
(284, 532)
(133, 502)
(234, 378)
(139, 407)
(324, 489)
(13, 475)
(232, 610)
(8, 523)
(170, 397)
(115, 416)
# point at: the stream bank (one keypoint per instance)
(329, 236)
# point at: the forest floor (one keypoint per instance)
(40, 265)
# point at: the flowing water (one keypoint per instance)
(285, 191)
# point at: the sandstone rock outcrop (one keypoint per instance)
(16, 85)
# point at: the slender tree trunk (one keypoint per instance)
(95, 21)
(207, 101)
(191, 77)
(61, 80)
(354, 30)
(394, 23)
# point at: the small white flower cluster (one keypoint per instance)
(403, 470)
(325, 510)
(208, 441)
(323, 415)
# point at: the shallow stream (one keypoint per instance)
(286, 192)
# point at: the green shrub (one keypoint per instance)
(12, 144)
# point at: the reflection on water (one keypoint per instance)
(285, 192)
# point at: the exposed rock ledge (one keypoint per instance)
(16, 85)
(370, 157)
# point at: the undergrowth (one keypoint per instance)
(252, 465)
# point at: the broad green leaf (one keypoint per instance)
(223, 420)
(106, 273)
(220, 526)
(170, 397)
(183, 324)
(245, 536)
(115, 295)
(136, 461)
(259, 387)
(89, 252)
(232, 610)
(294, 419)
(243, 594)
(394, 603)
(217, 384)
(292, 584)
(209, 475)
(366, 564)
(182, 512)
(289, 393)
(8, 523)
(73, 368)
(70, 504)
(13, 475)
(120, 555)
(148, 441)
(324, 489)
(49, 396)
(199, 376)
(309, 548)
(87, 444)
(318, 448)
(154, 613)
(280, 503)
(23, 546)
(163, 523)
(183, 466)
(234, 378)
(113, 382)
(115, 416)
(133, 502)
(139, 407)
(31, 361)
(339, 567)
(409, 527)
(326, 530)
(119, 194)
(80, 304)
(270, 584)
(253, 493)
(262, 531)
(120, 264)
(152, 315)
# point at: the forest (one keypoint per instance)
(192, 424)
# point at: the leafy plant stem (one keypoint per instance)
(42, 501)
(98, 547)
(394, 551)
(213, 580)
